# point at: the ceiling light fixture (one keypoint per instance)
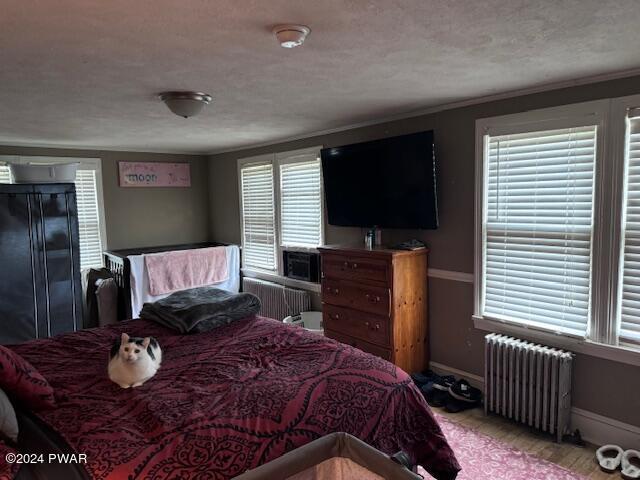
(291, 36)
(185, 104)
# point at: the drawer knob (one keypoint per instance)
(346, 264)
(334, 316)
(377, 326)
(355, 265)
(366, 324)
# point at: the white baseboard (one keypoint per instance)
(475, 380)
(594, 428)
(601, 430)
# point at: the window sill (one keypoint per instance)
(575, 344)
(280, 279)
(299, 248)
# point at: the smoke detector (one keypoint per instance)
(291, 36)
(185, 104)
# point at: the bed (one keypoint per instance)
(223, 402)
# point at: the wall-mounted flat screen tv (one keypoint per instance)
(388, 183)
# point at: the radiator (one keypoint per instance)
(528, 383)
(277, 301)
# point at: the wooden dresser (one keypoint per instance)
(376, 300)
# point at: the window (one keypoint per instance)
(89, 199)
(281, 206)
(5, 175)
(258, 216)
(558, 226)
(629, 322)
(300, 201)
(538, 227)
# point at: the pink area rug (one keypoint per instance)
(485, 458)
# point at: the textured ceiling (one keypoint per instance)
(84, 73)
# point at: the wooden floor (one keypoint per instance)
(578, 459)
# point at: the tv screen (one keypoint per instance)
(388, 183)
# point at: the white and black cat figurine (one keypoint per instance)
(134, 360)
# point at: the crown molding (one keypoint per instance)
(97, 148)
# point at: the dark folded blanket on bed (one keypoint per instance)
(200, 309)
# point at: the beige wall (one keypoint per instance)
(138, 217)
(600, 386)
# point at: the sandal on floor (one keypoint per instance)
(609, 457)
(631, 465)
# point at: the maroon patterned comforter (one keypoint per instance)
(8, 470)
(229, 400)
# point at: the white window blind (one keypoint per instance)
(88, 215)
(258, 216)
(88, 220)
(301, 204)
(5, 176)
(537, 228)
(629, 330)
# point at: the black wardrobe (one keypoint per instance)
(40, 288)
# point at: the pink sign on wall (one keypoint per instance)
(154, 174)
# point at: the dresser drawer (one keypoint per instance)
(355, 268)
(357, 296)
(371, 328)
(360, 344)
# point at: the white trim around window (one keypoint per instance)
(601, 336)
(85, 164)
(276, 161)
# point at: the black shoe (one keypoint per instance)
(423, 378)
(437, 393)
(462, 397)
(444, 383)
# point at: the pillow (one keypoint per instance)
(8, 420)
(21, 380)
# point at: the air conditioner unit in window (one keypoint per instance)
(302, 266)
